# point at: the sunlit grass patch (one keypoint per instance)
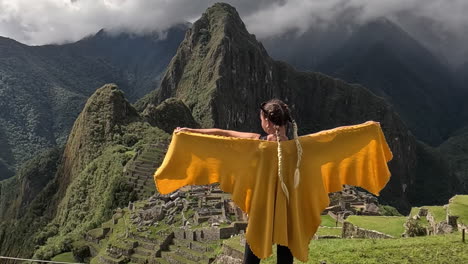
(329, 221)
(65, 257)
(430, 249)
(391, 225)
(459, 207)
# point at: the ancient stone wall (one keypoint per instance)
(352, 231)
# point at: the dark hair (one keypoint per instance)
(276, 111)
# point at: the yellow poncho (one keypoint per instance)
(248, 169)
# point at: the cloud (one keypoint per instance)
(58, 21)
(303, 14)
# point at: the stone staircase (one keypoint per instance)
(140, 170)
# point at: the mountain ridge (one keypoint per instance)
(389, 61)
(43, 88)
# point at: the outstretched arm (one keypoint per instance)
(220, 132)
(354, 155)
(197, 159)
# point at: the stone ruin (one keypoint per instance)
(350, 201)
(449, 225)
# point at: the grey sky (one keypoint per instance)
(57, 21)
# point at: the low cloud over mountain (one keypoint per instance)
(58, 21)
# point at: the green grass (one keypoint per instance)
(95, 191)
(431, 249)
(327, 231)
(393, 225)
(459, 207)
(438, 212)
(117, 237)
(328, 221)
(234, 242)
(423, 221)
(64, 257)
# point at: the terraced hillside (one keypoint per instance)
(187, 226)
(141, 169)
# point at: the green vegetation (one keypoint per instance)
(459, 206)
(329, 231)
(33, 119)
(456, 151)
(169, 114)
(329, 221)
(432, 249)
(387, 210)
(429, 187)
(24, 199)
(234, 243)
(438, 212)
(391, 225)
(416, 227)
(90, 201)
(96, 192)
(64, 257)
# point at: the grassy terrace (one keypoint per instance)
(438, 212)
(459, 206)
(329, 231)
(65, 257)
(393, 224)
(431, 249)
(329, 221)
(234, 242)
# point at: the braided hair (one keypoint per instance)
(279, 114)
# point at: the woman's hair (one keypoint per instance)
(279, 114)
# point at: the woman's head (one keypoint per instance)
(274, 114)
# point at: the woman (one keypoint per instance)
(283, 196)
(274, 117)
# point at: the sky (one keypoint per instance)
(37, 22)
(57, 21)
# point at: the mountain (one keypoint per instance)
(306, 50)
(447, 44)
(24, 201)
(6, 158)
(43, 88)
(456, 151)
(57, 196)
(168, 115)
(388, 61)
(461, 74)
(392, 64)
(140, 58)
(223, 73)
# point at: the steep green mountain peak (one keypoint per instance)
(217, 59)
(100, 123)
(168, 115)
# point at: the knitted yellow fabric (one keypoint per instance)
(248, 169)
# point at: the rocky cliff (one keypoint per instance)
(455, 150)
(168, 115)
(392, 64)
